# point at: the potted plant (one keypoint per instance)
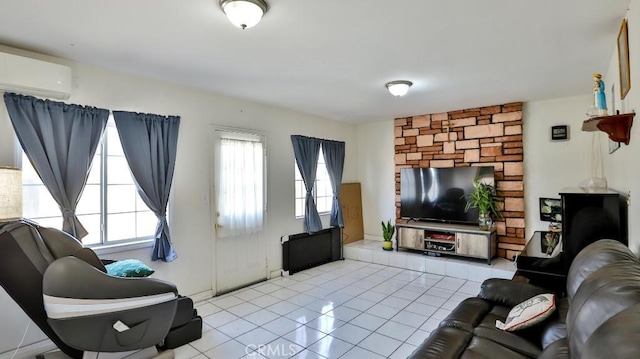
(484, 199)
(387, 233)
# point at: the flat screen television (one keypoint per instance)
(440, 194)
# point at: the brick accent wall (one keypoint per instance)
(482, 136)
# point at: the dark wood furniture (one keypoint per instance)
(541, 261)
(618, 127)
(590, 214)
(612, 202)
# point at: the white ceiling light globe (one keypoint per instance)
(399, 88)
(244, 13)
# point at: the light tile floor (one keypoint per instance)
(344, 309)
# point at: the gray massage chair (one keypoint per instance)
(64, 288)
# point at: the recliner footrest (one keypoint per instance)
(184, 312)
(184, 334)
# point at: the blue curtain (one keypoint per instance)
(60, 141)
(334, 159)
(150, 144)
(306, 151)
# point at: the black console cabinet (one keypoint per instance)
(613, 203)
(584, 213)
(541, 262)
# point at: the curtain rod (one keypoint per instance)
(321, 139)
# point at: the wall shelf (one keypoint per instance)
(618, 127)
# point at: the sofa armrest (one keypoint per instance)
(70, 277)
(507, 292)
(89, 256)
(93, 311)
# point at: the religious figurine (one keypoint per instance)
(600, 100)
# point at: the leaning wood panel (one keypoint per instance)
(351, 201)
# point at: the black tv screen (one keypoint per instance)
(440, 194)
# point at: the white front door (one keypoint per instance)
(239, 202)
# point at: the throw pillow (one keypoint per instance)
(129, 268)
(528, 313)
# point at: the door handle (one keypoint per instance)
(218, 226)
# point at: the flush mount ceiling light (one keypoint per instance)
(399, 88)
(244, 13)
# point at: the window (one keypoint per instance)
(322, 192)
(110, 208)
(241, 185)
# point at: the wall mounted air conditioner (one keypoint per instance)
(34, 77)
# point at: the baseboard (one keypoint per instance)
(275, 274)
(199, 297)
(31, 350)
(372, 237)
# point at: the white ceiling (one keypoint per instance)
(332, 58)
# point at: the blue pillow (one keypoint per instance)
(129, 268)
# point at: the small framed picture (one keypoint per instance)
(623, 59)
(559, 133)
(551, 209)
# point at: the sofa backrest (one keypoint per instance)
(603, 294)
(594, 257)
(620, 333)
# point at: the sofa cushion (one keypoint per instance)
(509, 340)
(444, 342)
(556, 328)
(451, 343)
(483, 348)
(477, 316)
(557, 350)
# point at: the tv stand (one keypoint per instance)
(450, 239)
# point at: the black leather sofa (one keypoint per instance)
(599, 318)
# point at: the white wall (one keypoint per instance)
(190, 220)
(622, 167)
(549, 165)
(376, 174)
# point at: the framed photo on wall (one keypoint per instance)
(623, 59)
(551, 209)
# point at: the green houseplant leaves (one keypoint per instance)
(483, 198)
(388, 230)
